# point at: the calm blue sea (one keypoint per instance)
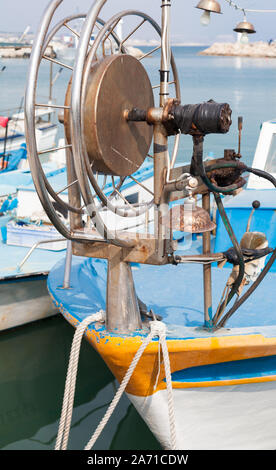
(34, 357)
(248, 85)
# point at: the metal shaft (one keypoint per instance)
(161, 138)
(122, 310)
(207, 269)
(68, 263)
(165, 51)
(74, 196)
(50, 84)
(160, 196)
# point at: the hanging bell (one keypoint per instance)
(188, 218)
(209, 5)
(245, 27)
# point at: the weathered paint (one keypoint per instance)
(118, 352)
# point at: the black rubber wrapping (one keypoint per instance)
(206, 117)
(137, 115)
(248, 254)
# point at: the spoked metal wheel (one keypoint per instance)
(40, 54)
(103, 149)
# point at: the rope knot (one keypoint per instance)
(158, 328)
(100, 316)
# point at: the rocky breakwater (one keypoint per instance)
(253, 49)
(18, 52)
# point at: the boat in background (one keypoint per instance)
(28, 249)
(265, 156)
(12, 130)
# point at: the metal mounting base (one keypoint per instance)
(122, 310)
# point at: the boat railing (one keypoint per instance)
(36, 245)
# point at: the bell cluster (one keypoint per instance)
(244, 28)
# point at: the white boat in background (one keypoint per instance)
(265, 156)
(28, 250)
(65, 51)
(12, 136)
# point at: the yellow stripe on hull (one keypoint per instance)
(118, 352)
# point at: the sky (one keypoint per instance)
(16, 15)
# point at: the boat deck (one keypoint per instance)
(40, 261)
(174, 292)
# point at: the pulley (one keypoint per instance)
(115, 146)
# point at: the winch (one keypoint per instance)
(112, 116)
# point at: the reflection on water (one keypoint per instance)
(32, 375)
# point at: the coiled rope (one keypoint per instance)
(157, 328)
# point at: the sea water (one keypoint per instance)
(34, 357)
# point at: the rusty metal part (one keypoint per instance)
(224, 177)
(156, 115)
(144, 249)
(229, 154)
(115, 146)
(168, 116)
(188, 218)
(151, 116)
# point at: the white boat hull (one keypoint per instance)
(46, 138)
(214, 418)
(23, 301)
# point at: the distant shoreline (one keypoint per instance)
(16, 52)
(254, 49)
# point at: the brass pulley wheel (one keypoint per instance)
(114, 145)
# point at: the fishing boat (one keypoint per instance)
(29, 247)
(187, 328)
(12, 130)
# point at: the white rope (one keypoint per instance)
(161, 331)
(157, 328)
(70, 384)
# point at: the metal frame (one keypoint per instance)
(43, 187)
(82, 68)
(122, 306)
(36, 245)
